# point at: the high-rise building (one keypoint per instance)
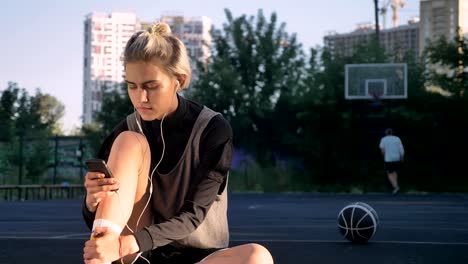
(442, 18)
(105, 37)
(396, 41)
(194, 32)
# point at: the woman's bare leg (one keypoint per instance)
(129, 162)
(243, 254)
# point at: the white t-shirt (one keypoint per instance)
(392, 147)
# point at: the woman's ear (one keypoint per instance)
(181, 81)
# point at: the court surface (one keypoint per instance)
(297, 228)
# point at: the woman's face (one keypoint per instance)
(151, 90)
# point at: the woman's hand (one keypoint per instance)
(97, 188)
(103, 247)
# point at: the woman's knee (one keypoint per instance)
(131, 142)
(130, 148)
(258, 254)
(246, 253)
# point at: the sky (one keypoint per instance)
(42, 41)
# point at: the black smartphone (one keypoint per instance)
(99, 165)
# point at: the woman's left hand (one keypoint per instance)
(103, 247)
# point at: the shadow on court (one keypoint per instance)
(297, 228)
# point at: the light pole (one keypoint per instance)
(20, 165)
(377, 30)
(55, 159)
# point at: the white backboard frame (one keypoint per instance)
(384, 81)
(385, 95)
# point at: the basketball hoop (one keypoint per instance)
(389, 79)
(375, 98)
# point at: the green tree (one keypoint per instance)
(255, 64)
(446, 74)
(331, 127)
(94, 136)
(27, 124)
(50, 111)
(36, 121)
(8, 100)
(116, 105)
(448, 64)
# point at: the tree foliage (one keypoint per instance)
(116, 105)
(256, 65)
(288, 111)
(448, 65)
(27, 122)
(281, 102)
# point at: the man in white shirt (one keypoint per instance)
(393, 152)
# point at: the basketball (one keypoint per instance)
(358, 222)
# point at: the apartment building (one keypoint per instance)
(397, 40)
(442, 18)
(105, 37)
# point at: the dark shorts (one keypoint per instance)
(171, 255)
(392, 166)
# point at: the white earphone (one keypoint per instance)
(150, 177)
(177, 85)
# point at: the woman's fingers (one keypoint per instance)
(97, 189)
(102, 247)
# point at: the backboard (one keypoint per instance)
(380, 80)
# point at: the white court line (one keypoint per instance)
(268, 240)
(72, 235)
(344, 241)
(435, 203)
(85, 236)
(334, 226)
(30, 232)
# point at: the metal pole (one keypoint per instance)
(20, 179)
(81, 159)
(377, 29)
(55, 159)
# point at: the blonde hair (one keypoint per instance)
(157, 44)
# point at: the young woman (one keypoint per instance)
(170, 162)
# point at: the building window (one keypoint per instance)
(100, 37)
(107, 50)
(198, 28)
(187, 29)
(198, 52)
(96, 49)
(97, 26)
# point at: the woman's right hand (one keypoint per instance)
(97, 188)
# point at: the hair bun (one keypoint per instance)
(160, 28)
